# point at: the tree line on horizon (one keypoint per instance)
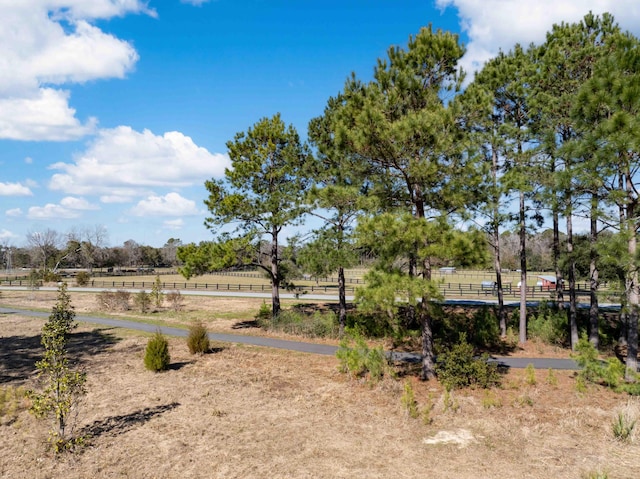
(420, 167)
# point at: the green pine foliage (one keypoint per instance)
(549, 325)
(62, 386)
(459, 368)
(359, 360)
(156, 355)
(408, 400)
(609, 373)
(198, 339)
(157, 296)
(83, 278)
(143, 301)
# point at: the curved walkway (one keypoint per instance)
(305, 347)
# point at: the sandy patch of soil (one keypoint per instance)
(248, 412)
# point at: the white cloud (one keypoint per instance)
(492, 25)
(28, 160)
(88, 54)
(123, 163)
(172, 204)
(14, 212)
(51, 211)
(77, 204)
(14, 189)
(196, 3)
(45, 116)
(48, 43)
(98, 8)
(119, 197)
(176, 224)
(7, 235)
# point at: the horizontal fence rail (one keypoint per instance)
(448, 290)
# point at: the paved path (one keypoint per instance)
(313, 348)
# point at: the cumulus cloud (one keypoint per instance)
(122, 163)
(48, 43)
(51, 211)
(492, 25)
(172, 204)
(14, 213)
(14, 189)
(7, 235)
(176, 224)
(73, 203)
(44, 116)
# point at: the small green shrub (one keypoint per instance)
(623, 427)
(264, 313)
(409, 403)
(530, 373)
(143, 301)
(358, 359)
(157, 296)
(581, 384)
(316, 325)
(490, 400)
(427, 410)
(114, 300)
(596, 475)
(175, 300)
(609, 373)
(34, 280)
(552, 379)
(83, 278)
(198, 339)
(156, 355)
(458, 368)
(371, 324)
(549, 325)
(524, 400)
(449, 402)
(51, 277)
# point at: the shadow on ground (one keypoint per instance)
(19, 354)
(115, 425)
(246, 324)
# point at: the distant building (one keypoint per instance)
(547, 282)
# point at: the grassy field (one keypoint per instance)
(249, 412)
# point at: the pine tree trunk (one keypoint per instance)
(573, 310)
(556, 260)
(275, 274)
(502, 312)
(633, 301)
(594, 312)
(632, 323)
(523, 273)
(342, 301)
(428, 354)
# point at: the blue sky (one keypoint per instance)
(113, 113)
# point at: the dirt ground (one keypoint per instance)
(245, 412)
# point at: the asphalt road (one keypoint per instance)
(313, 348)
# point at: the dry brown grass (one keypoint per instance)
(244, 412)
